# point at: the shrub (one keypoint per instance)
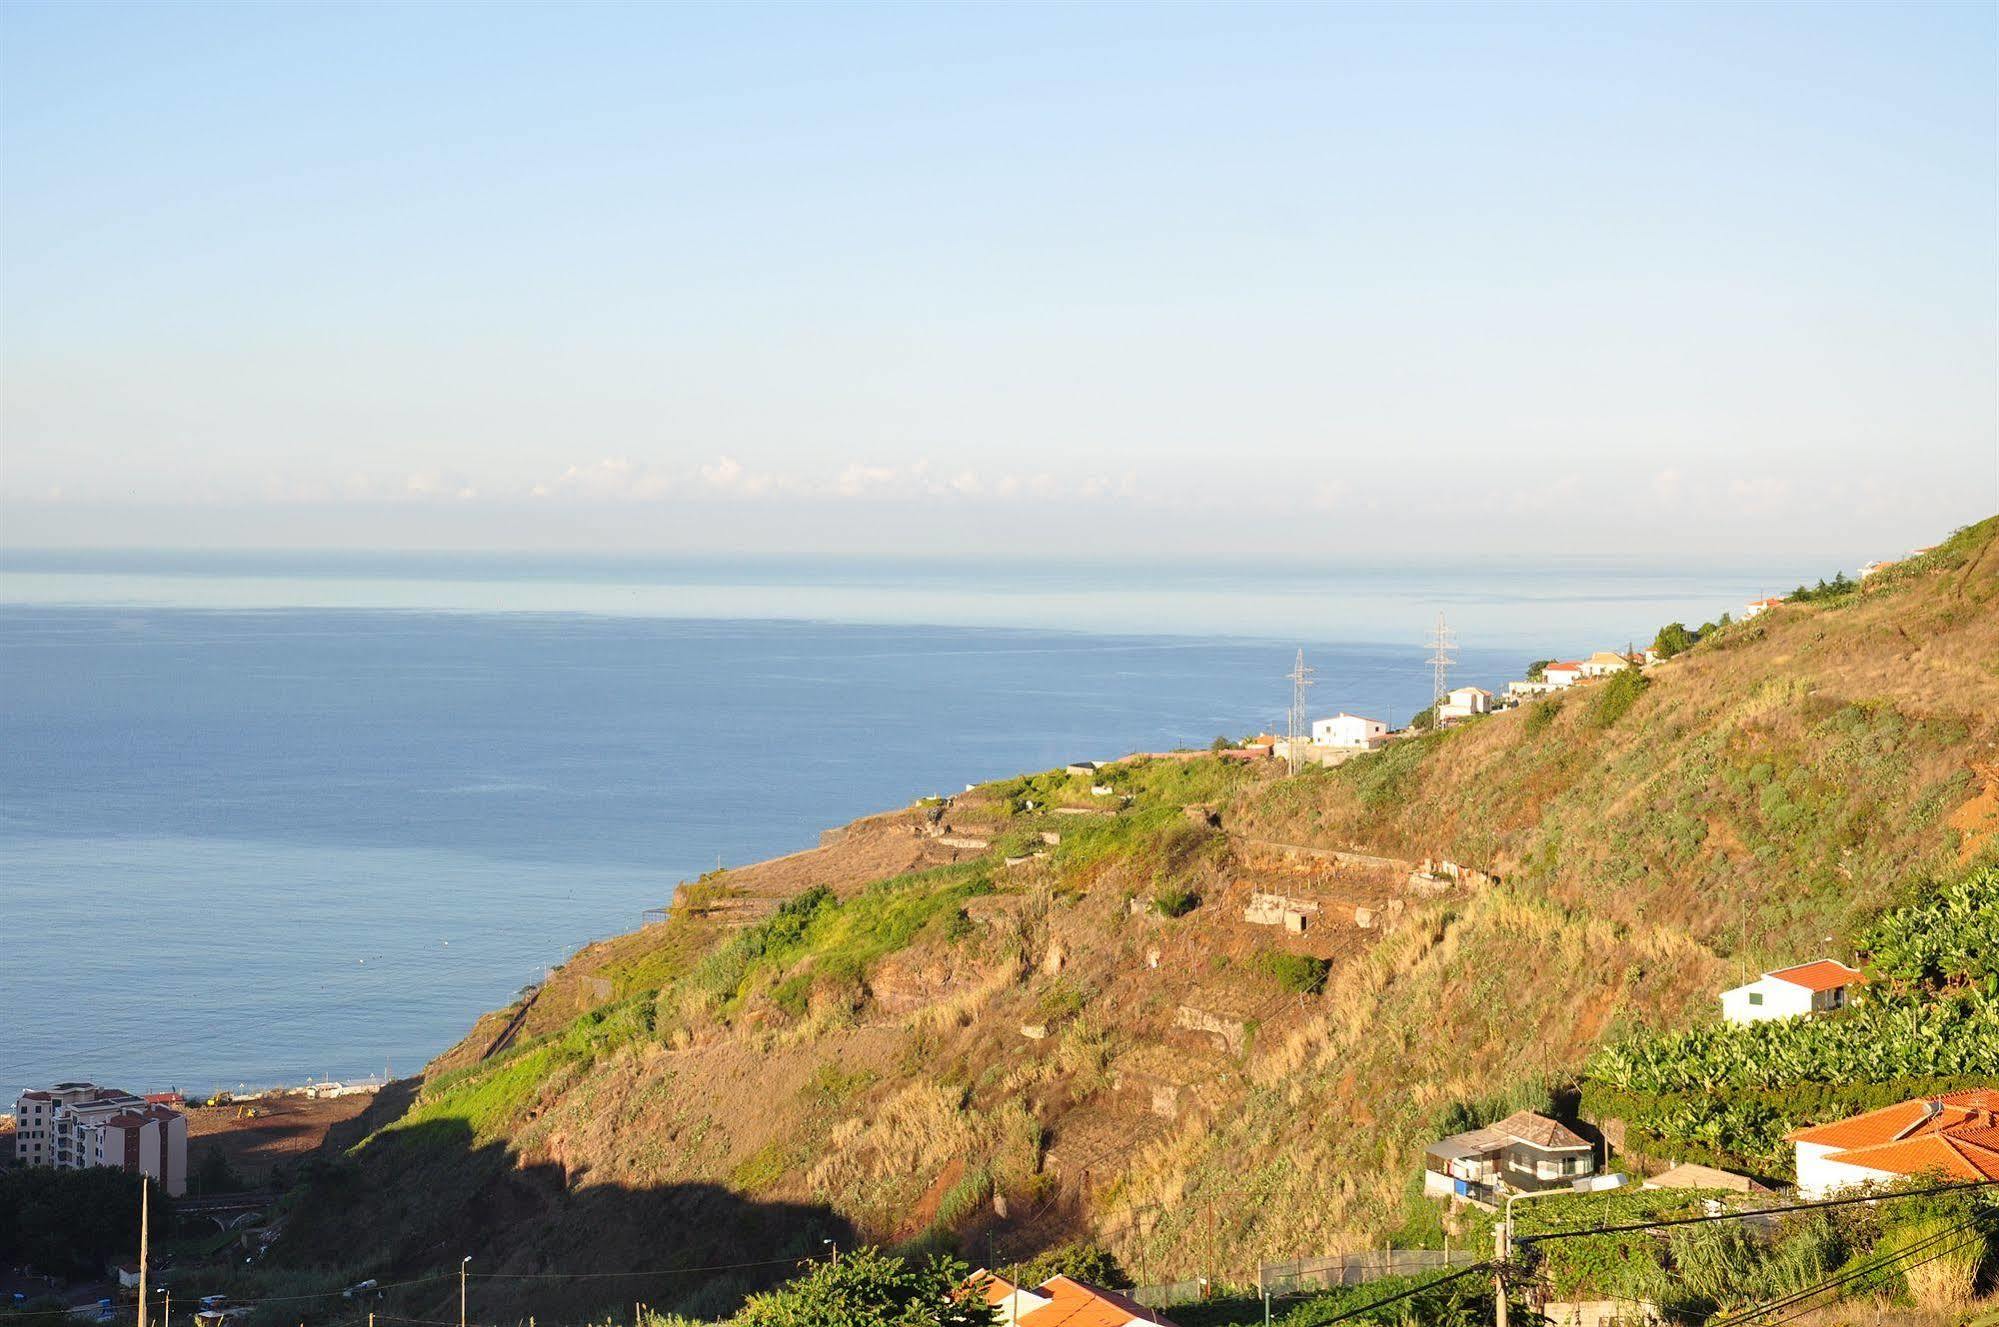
(1615, 697)
(1870, 1043)
(1086, 1262)
(1294, 972)
(1175, 901)
(868, 1288)
(1948, 935)
(1674, 638)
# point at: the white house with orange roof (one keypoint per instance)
(1562, 673)
(1756, 607)
(1818, 987)
(1953, 1137)
(1065, 1301)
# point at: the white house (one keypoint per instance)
(1605, 662)
(1523, 1153)
(1758, 606)
(1810, 988)
(1562, 673)
(1463, 702)
(1954, 1136)
(1349, 730)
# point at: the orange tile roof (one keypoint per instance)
(996, 1289)
(1956, 1134)
(1823, 974)
(1929, 1154)
(1074, 1303)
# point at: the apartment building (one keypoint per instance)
(72, 1126)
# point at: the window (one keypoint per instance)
(1756, 997)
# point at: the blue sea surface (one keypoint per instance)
(259, 844)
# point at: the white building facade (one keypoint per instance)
(1349, 730)
(1810, 988)
(74, 1126)
(1464, 702)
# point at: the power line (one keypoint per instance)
(1423, 1289)
(1879, 1263)
(659, 1271)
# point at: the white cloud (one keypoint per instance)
(858, 480)
(613, 478)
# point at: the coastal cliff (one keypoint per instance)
(1185, 1007)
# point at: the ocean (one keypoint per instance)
(266, 820)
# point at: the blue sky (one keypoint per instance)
(955, 278)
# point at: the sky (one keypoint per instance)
(1171, 281)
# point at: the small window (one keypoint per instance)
(1756, 997)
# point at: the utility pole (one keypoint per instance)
(145, 1229)
(1500, 1253)
(1443, 651)
(1298, 725)
(464, 1268)
(167, 1310)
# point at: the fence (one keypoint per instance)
(1351, 1269)
(1285, 1279)
(1168, 1293)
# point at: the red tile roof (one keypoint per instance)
(1956, 1135)
(1820, 975)
(1074, 1303)
(1948, 1155)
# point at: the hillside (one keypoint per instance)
(1038, 1013)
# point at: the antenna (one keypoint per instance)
(1443, 647)
(1297, 726)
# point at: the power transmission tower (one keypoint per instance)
(1443, 651)
(1298, 727)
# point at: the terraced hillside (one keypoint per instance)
(1043, 1011)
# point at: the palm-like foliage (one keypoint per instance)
(1871, 1043)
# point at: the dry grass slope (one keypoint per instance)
(1011, 1055)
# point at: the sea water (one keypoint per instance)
(262, 823)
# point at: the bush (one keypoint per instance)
(1175, 901)
(1083, 1261)
(1674, 638)
(1947, 936)
(1615, 697)
(1875, 1042)
(1294, 972)
(868, 1288)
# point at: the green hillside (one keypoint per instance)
(1038, 1014)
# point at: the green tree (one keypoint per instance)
(1083, 1261)
(71, 1222)
(1538, 670)
(1424, 718)
(868, 1288)
(1673, 638)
